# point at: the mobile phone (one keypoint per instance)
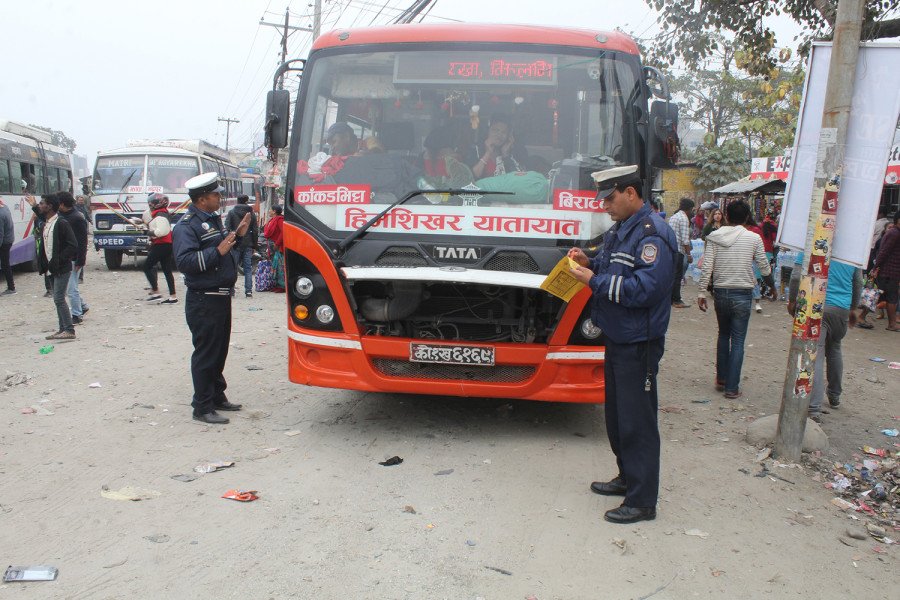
(41, 573)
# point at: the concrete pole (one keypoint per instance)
(820, 232)
(317, 20)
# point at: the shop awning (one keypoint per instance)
(744, 186)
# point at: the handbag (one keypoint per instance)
(264, 278)
(869, 296)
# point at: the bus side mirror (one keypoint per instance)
(664, 145)
(278, 104)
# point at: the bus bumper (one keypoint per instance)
(379, 364)
(120, 241)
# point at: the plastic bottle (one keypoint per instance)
(46, 349)
(878, 493)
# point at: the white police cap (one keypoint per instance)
(608, 179)
(203, 183)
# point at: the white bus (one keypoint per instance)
(124, 178)
(29, 163)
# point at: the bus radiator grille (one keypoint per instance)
(517, 262)
(496, 374)
(400, 256)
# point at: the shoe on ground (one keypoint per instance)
(9, 293)
(229, 406)
(816, 417)
(47, 294)
(834, 403)
(153, 297)
(720, 385)
(615, 487)
(630, 514)
(85, 310)
(212, 418)
(62, 335)
(77, 320)
(758, 307)
(733, 395)
(248, 294)
(170, 301)
(679, 305)
(865, 325)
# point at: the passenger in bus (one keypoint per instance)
(441, 161)
(341, 140)
(494, 156)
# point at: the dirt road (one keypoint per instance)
(491, 500)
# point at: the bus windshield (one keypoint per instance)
(533, 124)
(113, 174)
(171, 172)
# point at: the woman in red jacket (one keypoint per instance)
(160, 248)
(274, 232)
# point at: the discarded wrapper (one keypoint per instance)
(42, 573)
(874, 451)
(241, 495)
(840, 502)
(214, 466)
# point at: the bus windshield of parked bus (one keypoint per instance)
(533, 125)
(170, 173)
(116, 173)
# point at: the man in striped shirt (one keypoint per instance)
(680, 223)
(728, 260)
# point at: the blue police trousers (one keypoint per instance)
(209, 319)
(631, 417)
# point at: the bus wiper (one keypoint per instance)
(450, 192)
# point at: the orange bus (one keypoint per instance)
(436, 175)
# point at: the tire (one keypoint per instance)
(113, 259)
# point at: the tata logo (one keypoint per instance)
(456, 253)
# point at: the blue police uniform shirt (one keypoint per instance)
(195, 240)
(633, 279)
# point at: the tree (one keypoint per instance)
(58, 138)
(691, 27)
(720, 164)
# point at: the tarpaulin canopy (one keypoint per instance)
(743, 186)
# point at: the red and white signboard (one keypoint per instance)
(576, 200)
(332, 194)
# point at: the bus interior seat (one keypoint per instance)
(397, 136)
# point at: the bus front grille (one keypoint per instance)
(495, 374)
(517, 262)
(400, 256)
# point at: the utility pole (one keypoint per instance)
(228, 128)
(287, 30)
(317, 20)
(819, 237)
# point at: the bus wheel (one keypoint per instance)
(113, 259)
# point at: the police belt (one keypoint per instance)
(213, 291)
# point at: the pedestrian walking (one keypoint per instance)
(844, 288)
(58, 250)
(716, 219)
(886, 271)
(79, 226)
(760, 289)
(274, 233)
(7, 237)
(731, 252)
(680, 223)
(243, 252)
(160, 253)
(203, 254)
(631, 283)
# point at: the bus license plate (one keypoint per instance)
(451, 355)
(142, 240)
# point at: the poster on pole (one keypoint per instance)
(873, 121)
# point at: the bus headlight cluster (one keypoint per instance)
(325, 314)
(102, 224)
(303, 287)
(589, 330)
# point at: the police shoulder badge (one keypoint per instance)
(205, 226)
(648, 253)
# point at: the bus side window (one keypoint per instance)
(52, 180)
(4, 177)
(17, 176)
(65, 180)
(36, 179)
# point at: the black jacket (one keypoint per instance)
(64, 248)
(251, 237)
(80, 229)
(196, 239)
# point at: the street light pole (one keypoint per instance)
(228, 128)
(820, 232)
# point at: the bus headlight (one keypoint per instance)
(325, 314)
(303, 287)
(102, 224)
(589, 330)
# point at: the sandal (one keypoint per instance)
(893, 328)
(865, 325)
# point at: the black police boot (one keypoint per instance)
(630, 514)
(212, 418)
(616, 487)
(228, 406)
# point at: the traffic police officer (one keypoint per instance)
(631, 281)
(203, 255)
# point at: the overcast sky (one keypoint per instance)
(104, 71)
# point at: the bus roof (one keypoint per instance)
(477, 32)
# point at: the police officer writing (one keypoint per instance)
(203, 254)
(631, 281)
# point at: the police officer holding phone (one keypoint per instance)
(631, 281)
(203, 254)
